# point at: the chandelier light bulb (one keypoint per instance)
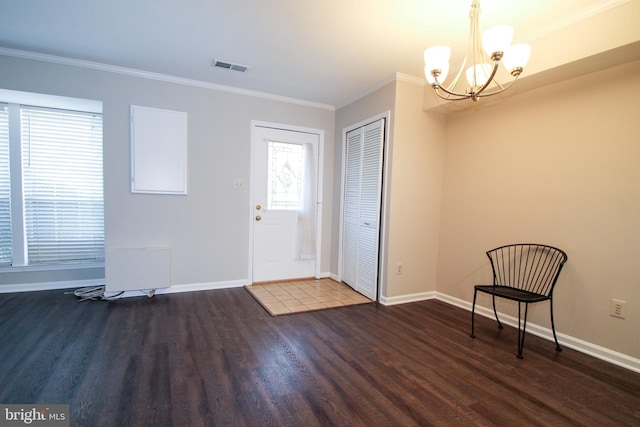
(516, 56)
(497, 39)
(478, 75)
(444, 72)
(437, 57)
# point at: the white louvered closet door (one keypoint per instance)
(363, 189)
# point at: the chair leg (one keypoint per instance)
(521, 333)
(473, 312)
(495, 312)
(553, 326)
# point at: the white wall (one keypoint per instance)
(378, 102)
(415, 195)
(207, 230)
(414, 178)
(557, 165)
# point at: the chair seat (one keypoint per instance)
(525, 273)
(511, 293)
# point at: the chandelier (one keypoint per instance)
(481, 74)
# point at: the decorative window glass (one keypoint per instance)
(285, 175)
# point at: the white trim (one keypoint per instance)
(319, 188)
(20, 255)
(579, 16)
(319, 204)
(384, 115)
(418, 81)
(202, 286)
(75, 284)
(50, 267)
(403, 299)
(50, 101)
(49, 286)
(577, 344)
(250, 217)
(369, 91)
(385, 202)
(392, 78)
(157, 76)
(594, 350)
(177, 289)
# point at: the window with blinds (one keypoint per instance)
(62, 185)
(6, 246)
(51, 192)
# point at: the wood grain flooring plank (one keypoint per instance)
(216, 358)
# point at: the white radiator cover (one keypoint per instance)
(131, 269)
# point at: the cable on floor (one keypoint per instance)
(95, 293)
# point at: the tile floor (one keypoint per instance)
(304, 295)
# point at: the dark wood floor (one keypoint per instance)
(217, 358)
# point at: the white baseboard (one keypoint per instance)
(577, 344)
(204, 286)
(192, 287)
(403, 299)
(75, 284)
(48, 286)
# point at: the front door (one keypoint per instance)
(284, 211)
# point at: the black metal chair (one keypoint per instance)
(526, 273)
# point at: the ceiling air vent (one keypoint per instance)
(229, 65)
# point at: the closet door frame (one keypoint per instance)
(383, 233)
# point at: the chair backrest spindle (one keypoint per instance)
(527, 266)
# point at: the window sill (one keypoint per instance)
(50, 267)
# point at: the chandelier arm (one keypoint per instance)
(476, 50)
(449, 98)
(454, 82)
(459, 96)
(496, 64)
(503, 88)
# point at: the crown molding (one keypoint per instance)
(581, 15)
(392, 78)
(419, 81)
(159, 77)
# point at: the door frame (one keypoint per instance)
(319, 188)
(384, 205)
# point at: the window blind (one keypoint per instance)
(6, 255)
(62, 181)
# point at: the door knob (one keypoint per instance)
(258, 207)
(258, 217)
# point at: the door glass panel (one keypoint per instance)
(285, 175)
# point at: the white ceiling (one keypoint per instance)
(323, 51)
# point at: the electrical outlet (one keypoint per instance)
(618, 308)
(399, 268)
